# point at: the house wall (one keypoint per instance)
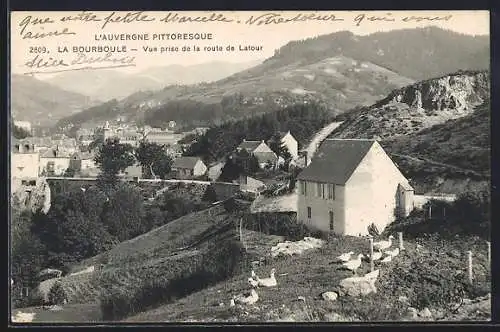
(60, 164)
(28, 161)
(183, 173)
(199, 169)
(248, 183)
(321, 207)
(371, 194)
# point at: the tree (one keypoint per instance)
(154, 159)
(231, 171)
(72, 230)
(69, 172)
(124, 212)
(113, 158)
(19, 132)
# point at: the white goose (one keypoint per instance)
(246, 298)
(268, 282)
(386, 259)
(393, 253)
(254, 276)
(254, 283)
(382, 245)
(345, 257)
(377, 255)
(353, 264)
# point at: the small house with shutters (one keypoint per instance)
(188, 167)
(349, 185)
(264, 154)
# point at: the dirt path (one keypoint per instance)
(319, 137)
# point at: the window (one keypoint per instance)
(331, 191)
(303, 188)
(331, 220)
(309, 212)
(318, 189)
(323, 195)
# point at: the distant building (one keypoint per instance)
(54, 162)
(287, 140)
(249, 184)
(82, 161)
(350, 184)
(24, 165)
(163, 137)
(188, 167)
(260, 150)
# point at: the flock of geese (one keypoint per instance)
(381, 253)
(380, 250)
(255, 282)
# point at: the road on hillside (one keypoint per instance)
(319, 137)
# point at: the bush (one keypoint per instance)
(57, 295)
(218, 263)
(34, 299)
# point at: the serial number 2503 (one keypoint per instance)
(38, 49)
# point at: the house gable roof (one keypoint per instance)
(249, 145)
(336, 160)
(185, 162)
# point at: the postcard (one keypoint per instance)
(250, 166)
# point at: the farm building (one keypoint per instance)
(188, 167)
(260, 150)
(350, 184)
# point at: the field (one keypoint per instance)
(427, 277)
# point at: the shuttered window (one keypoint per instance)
(331, 220)
(309, 212)
(331, 191)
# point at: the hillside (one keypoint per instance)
(437, 130)
(399, 288)
(43, 104)
(338, 82)
(416, 53)
(339, 70)
(112, 84)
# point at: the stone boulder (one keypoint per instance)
(360, 286)
(329, 296)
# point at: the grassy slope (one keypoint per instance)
(156, 251)
(312, 273)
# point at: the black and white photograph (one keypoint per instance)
(249, 167)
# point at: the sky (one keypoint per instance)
(26, 47)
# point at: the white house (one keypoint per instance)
(54, 162)
(287, 140)
(350, 184)
(24, 164)
(188, 167)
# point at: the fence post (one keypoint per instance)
(489, 252)
(400, 237)
(430, 212)
(371, 254)
(469, 265)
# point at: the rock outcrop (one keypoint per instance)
(459, 91)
